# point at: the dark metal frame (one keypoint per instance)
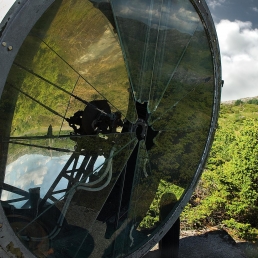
(13, 30)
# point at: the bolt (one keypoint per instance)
(10, 48)
(4, 44)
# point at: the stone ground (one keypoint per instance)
(214, 243)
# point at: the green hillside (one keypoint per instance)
(227, 193)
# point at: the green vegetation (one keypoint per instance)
(227, 193)
(238, 102)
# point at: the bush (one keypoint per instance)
(253, 101)
(238, 102)
(230, 182)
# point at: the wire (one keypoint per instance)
(33, 35)
(68, 104)
(27, 95)
(42, 147)
(177, 65)
(58, 87)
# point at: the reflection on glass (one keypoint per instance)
(85, 39)
(171, 69)
(103, 122)
(187, 101)
(145, 184)
(63, 188)
(154, 41)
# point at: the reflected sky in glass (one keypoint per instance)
(32, 170)
(182, 17)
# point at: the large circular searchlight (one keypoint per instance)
(107, 114)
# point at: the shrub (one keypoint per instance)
(238, 102)
(231, 182)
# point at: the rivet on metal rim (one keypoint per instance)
(4, 44)
(10, 48)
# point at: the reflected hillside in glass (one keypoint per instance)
(82, 58)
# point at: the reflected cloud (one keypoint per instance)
(31, 171)
(215, 3)
(96, 50)
(35, 170)
(168, 16)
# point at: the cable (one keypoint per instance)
(58, 87)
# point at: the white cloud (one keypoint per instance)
(34, 170)
(255, 9)
(5, 5)
(215, 3)
(239, 52)
(30, 171)
(183, 17)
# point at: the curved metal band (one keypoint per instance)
(13, 30)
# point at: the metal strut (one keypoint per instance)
(76, 182)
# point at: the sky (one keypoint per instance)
(4, 7)
(237, 28)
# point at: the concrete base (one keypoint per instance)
(212, 244)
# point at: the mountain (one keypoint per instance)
(242, 99)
